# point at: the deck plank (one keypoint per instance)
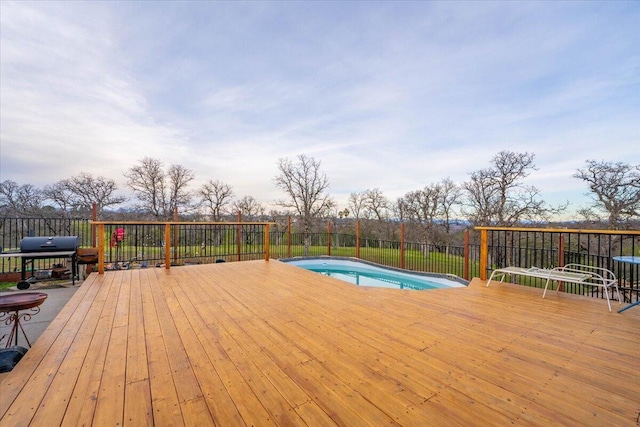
(164, 397)
(110, 399)
(137, 399)
(95, 334)
(265, 343)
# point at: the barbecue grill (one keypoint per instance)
(32, 248)
(49, 244)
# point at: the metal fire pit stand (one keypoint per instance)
(11, 306)
(28, 257)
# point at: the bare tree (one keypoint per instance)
(421, 208)
(356, 203)
(498, 196)
(179, 179)
(400, 209)
(81, 192)
(376, 207)
(305, 185)
(20, 200)
(614, 189)
(248, 207)
(216, 195)
(375, 204)
(450, 197)
(60, 195)
(147, 181)
(251, 210)
(160, 192)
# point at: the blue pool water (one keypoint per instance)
(366, 274)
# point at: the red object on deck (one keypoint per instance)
(117, 236)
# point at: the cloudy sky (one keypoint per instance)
(388, 95)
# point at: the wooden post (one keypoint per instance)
(329, 238)
(484, 254)
(466, 255)
(266, 242)
(101, 249)
(561, 250)
(289, 236)
(239, 236)
(167, 245)
(402, 245)
(358, 239)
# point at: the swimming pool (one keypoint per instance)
(363, 273)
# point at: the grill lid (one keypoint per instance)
(49, 244)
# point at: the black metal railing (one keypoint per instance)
(13, 230)
(142, 244)
(414, 256)
(547, 248)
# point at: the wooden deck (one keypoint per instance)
(264, 343)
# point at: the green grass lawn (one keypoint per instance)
(435, 262)
(414, 259)
(6, 285)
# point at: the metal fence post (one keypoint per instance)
(358, 239)
(465, 273)
(402, 245)
(167, 245)
(239, 237)
(176, 240)
(289, 236)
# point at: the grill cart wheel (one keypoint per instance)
(23, 284)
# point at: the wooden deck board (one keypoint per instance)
(138, 409)
(94, 341)
(265, 343)
(164, 397)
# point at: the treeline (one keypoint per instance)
(496, 195)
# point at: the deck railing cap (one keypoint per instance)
(558, 230)
(182, 223)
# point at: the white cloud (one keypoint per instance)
(393, 96)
